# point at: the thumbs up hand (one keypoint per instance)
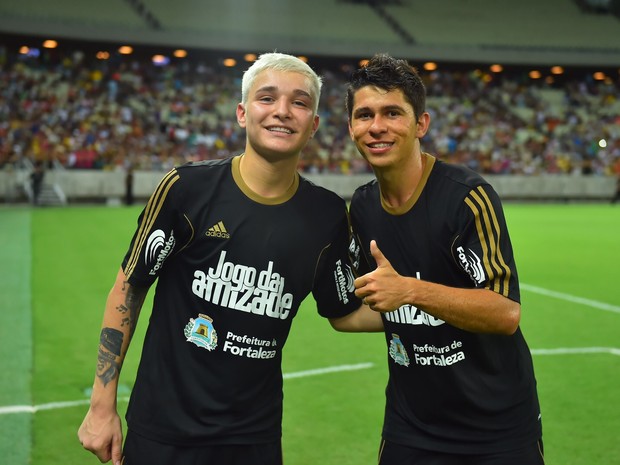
(383, 289)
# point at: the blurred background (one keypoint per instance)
(96, 96)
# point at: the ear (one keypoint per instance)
(423, 124)
(350, 129)
(315, 125)
(241, 115)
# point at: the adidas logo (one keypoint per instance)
(218, 230)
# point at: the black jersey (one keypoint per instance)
(232, 270)
(450, 390)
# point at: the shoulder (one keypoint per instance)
(201, 175)
(321, 195)
(370, 189)
(455, 186)
(186, 182)
(459, 176)
(366, 198)
(200, 168)
(461, 192)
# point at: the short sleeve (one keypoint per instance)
(154, 240)
(482, 248)
(334, 288)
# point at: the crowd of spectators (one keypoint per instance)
(80, 113)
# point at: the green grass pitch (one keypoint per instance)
(58, 265)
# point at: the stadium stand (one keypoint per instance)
(74, 112)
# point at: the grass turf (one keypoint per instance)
(336, 418)
(15, 334)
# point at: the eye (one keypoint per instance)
(303, 101)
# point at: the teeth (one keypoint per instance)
(284, 130)
(381, 145)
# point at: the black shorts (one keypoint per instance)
(396, 454)
(139, 450)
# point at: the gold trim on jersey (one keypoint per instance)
(191, 229)
(152, 209)
(236, 172)
(404, 208)
(489, 231)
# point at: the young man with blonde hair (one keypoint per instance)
(235, 246)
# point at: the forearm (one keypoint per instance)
(361, 320)
(122, 309)
(475, 310)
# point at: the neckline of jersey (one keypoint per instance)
(408, 205)
(243, 187)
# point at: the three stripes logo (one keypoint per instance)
(218, 230)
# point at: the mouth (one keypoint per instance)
(280, 129)
(378, 148)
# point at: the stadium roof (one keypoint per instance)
(486, 31)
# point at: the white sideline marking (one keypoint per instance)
(74, 403)
(301, 374)
(577, 350)
(323, 371)
(571, 298)
(49, 406)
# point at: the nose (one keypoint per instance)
(282, 108)
(377, 125)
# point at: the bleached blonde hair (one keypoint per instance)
(281, 62)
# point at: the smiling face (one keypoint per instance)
(279, 116)
(384, 127)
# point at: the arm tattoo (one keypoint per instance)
(134, 298)
(123, 310)
(110, 343)
(111, 339)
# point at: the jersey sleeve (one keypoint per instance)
(361, 264)
(155, 238)
(334, 288)
(482, 248)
